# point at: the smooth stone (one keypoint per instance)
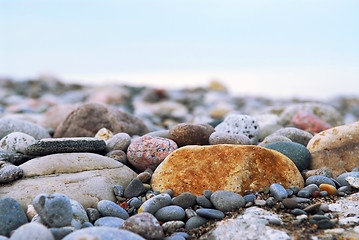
(228, 138)
(296, 152)
(118, 155)
(145, 225)
(324, 171)
(295, 135)
(185, 200)
(144, 177)
(290, 203)
(104, 134)
(32, 231)
(153, 204)
(16, 142)
(60, 233)
(134, 189)
(110, 209)
(90, 178)
(102, 233)
(317, 179)
(55, 210)
(240, 124)
(336, 149)
(190, 134)
(207, 193)
(273, 139)
(268, 123)
(79, 214)
(260, 202)
(119, 190)
(227, 201)
(304, 193)
(9, 125)
(195, 222)
(119, 141)
(298, 212)
(342, 178)
(56, 114)
(171, 226)
(10, 173)
(249, 198)
(14, 158)
(114, 222)
(170, 213)
(353, 181)
(204, 202)
(12, 216)
(190, 213)
(301, 200)
(345, 189)
(182, 234)
(93, 214)
(312, 208)
(210, 213)
(238, 167)
(295, 189)
(330, 189)
(278, 191)
(135, 202)
(309, 122)
(159, 133)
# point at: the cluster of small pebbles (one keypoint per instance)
(123, 162)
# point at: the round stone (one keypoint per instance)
(210, 213)
(148, 152)
(10, 173)
(111, 209)
(153, 204)
(204, 202)
(228, 138)
(144, 177)
(185, 200)
(172, 226)
(342, 178)
(296, 152)
(32, 231)
(119, 141)
(12, 216)
(103, 233)
(330, 189)
(191, 134)
(290, 203)
(109, 222)
(134, 189)
(195, 222)
(226, 201)
(278, 191)
(170, 213)
(249, 198)
(16, 142)
(317, 179)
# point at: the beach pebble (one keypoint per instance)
(210, 213)
(134, 189)
(298, 212)
(60, 233)
(309, 122)
(226, 201)
(79, 215)
(118, 155)
(342, 178)
(295, 135)
(55, 209)
(93, 214)
(102, 233)
(56, 114)
(145, 225)
(32, 231)
(148, 152)
(119, 141)
(185, 200)
(228, 138)
(207, 193)
(195, 222)
(317, 179)
(190, 134)
(307, 191)
(115, 222)
(170, 213)
(9, 173)
(134, 202)
(104, 134)
(172, 226)
(240, 124)
(155, 203)
(190, 213)
(329, 188)
(16, 142)
(9, 125)
(269, 123)
(119, 190)
(290, 203)
(204, 202)
(12, 216)
(324, 171)
(249, 198)
(14, 158)
(144, 177)
(273, 139)
(278, 191)
(296, 152)
(111, 209)
(312, 208)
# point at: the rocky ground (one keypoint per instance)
(146, 163)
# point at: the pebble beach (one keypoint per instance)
(127, 162)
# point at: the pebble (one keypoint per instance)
(16, 142)
(148, 152)
(342, 178)
(55, 209)
(60, 233)
(204, 202)
(309, 122)
(48, 146)
(273, 139)
(312, 208)
(111, 209)
(144, 177)
(308, 190)
(290, 203)
(118, 155)
(295, 135)
(226, 201)
(93, 214)
(278, 191)
(12, 216)
(195, 222)
(104, 134)
(301, 200)
(228, 138)
(190, 213)
(207, 194)
(134, 189)
(102, 233)
(155, 203)
(240, 124)
(320, 171)
(249, 198)
(32, 231)
(191, 134)
(172, 226)
(260, 202)
(135, 202)
(185, 200)
(14, 158)
(317, 179)
(170, 213)
(115, 222)
(79, 215)
(297, 212)
(296, 152)
(181, 234)
(10, 173)
(330, 189)
(119, 190)
(119, 141)
(353, 181)
(9, 125)
(145, 225)
(210, 213)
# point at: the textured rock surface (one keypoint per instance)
(336, 148)
(191, 134)
(9, 125)
(240, 168)
(90, 178)
(16, 142)
(87, 119)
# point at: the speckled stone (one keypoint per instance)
(65, 145)
(317, 179)
(226, 201)
(172, 226)
(118, 155)
(104, 134)
(9, 125)
(170, 213)
(324, 171)
(342, 177)
(10, 173)
(93, 214)
(148, 152)
(16, 142)
(191, 134)
(204, 202)
(14, 158)
(12, 216)
(290, 203)
(295, 135)
(228, 138)
(145, 225)
(309, 122)
(109, 222)
(111, 209)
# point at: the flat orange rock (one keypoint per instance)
(228, 167)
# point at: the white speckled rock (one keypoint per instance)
(240, 124)
(16, 142)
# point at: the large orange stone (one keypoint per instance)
(228, 167)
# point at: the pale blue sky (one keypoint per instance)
(304, 47)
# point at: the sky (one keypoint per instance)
(280, 48)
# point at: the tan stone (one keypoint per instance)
(336, 148)
(233, 168)
(84, 177)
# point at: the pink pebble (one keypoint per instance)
(309, 122)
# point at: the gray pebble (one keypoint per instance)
(118, 155)
(9, 125)
(86, 225)
(318, 179)
(12, 216)
(185, 200)
(295, 134)
(174, 238)
(10, 173)
(204, 202)
(226, 201)
(312, 208)
(172, 226)
(134, 189)
(297, 212)
(323, 193)
(111, 209)
(249, 198)
(345, 189)
(210, 213)
(135, 202)
(119, 141)
(118, 190)
(144, 177)
(169, 192)
(260, 202)
(103, 233)
(195, 222)
(190, 213)
(270, 202)
(341, 178)
(153, 204)
(207, 193)
(60, 233)
(170, 213)
(109, 222)
(290, 203)
(32, 231)
(295, 189)
(55, 209)
(93, 214)
(228, 138)
(15, 158)
(278, 191)
(304, 193)
(182, 234)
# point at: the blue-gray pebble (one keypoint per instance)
(118, 190)
(134, 189)
(185, 200)
(318, 179)
(278, 191)
(170, 213)
(103, 233)
(195, 222)
(135, 202)
(204, 202)
(210, 213)
(12, 216)
(109, 222)
(32, 231)
(250, 198)
(341, 178)
(111, 209)
(296, 152)
(226, 201)
(60, 233)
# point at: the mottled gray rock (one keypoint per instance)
(153, 204)
(134, 189)
(32, 231)
(228, 138)
(79, 215)
(114, 222)
(170, 213)
(93, 214)
(60, 233)
(226, 201)
(65, 145)
(204, 202)
(103, 233)
(12, 216)
(111, 209)
(9, 125)
(273, 139)
(10, 173)
(172, 226)
(342, 178)
(295, 135)
(14, 158)
(16, 142)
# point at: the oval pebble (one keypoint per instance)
(226, 201)
(207, 193)
(144, 177)
(204, 202)
(182, 234)
(210, 213)
(109, 222)
(93, 214)
(16, 142)
(111, 209)
(153, 204)
(12, 216)
(318, 179)
(103, 233)
(134, 189)
(290, 203)
(119, 141)
(170, 213)
(191, 134)
(312, 208)
(260, 202)
(172, 226)
(135, 202)
(249, 198)
(118, 190)
(195, 222)
(10, 173)
(32, 231)
(330, 189)
(228, 138)
(298, 212)
(341, 178)
(278, 191)
(185, 200)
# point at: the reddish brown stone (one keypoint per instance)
(191, 134)
(309, 122)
